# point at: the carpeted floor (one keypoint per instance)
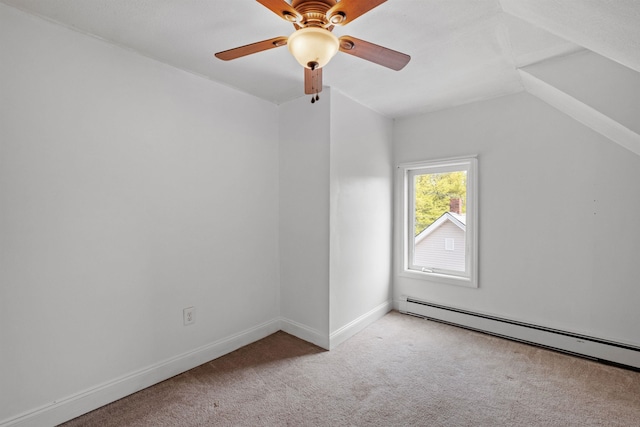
(400, 371)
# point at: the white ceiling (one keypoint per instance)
(461, 50)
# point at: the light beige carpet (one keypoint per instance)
(400, 371)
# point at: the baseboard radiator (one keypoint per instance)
(611, 352)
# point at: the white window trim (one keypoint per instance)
(470, 278)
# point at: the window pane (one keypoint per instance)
(439, 218)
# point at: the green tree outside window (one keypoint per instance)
(433, 193)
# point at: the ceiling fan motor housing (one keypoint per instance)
(314, 12)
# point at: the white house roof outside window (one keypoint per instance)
(442, 244)
(457, 219)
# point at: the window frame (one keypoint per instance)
(406, 172)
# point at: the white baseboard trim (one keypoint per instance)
(80, 403)
(350, 329)
(304, 333)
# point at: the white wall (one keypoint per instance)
(304, 218)
(361, 207)
(128, 191)
(336, 179)
(558, 204)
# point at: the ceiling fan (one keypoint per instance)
(313, 44)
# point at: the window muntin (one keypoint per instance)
(439, 227)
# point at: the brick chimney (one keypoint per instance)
(455, 205)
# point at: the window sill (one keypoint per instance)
(440, 278)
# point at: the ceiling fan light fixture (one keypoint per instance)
(313, 47)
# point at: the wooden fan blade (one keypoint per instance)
(346, 11)
(374, 53)
(283, 9)
(251, 48)
(312, 81)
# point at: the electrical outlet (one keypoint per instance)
(189, 315)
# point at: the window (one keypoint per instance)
(439, 221)
(449, 244)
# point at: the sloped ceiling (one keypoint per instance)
(462, 50)
(600, 86)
